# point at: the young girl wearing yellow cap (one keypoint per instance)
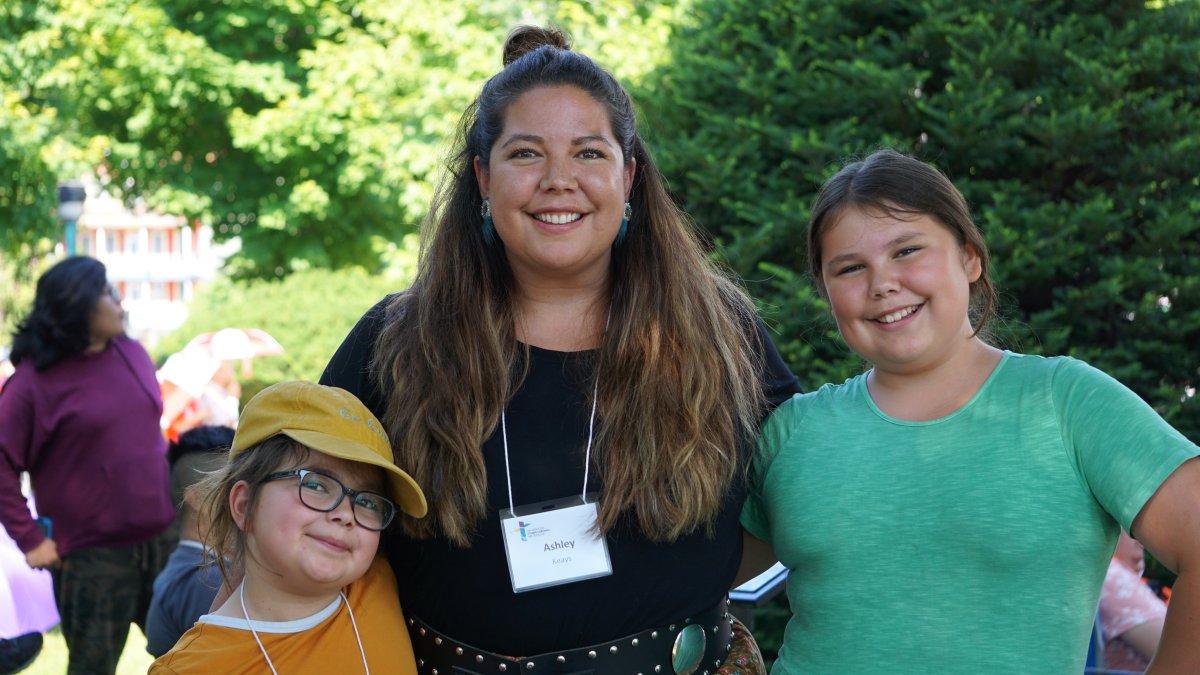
(308, 488)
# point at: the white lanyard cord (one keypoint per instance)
(357, 637)
(587, 457)
(507, 470)
(261, 648)
(242, 599)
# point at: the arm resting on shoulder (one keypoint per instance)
(1169, 526)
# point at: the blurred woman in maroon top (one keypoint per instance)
(81, 416)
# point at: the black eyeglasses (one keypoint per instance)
(112, 292)
(321, 492)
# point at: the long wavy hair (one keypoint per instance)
(905, 188)
(58, 324)
(677, 372)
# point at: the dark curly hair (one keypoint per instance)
(57, 327)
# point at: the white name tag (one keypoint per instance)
(551, 543)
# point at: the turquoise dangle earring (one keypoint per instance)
(489, 228)
(624, 225)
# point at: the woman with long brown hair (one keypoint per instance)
(576, 387)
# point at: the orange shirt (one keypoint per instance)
(327, 647)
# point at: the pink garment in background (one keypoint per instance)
(1125, 602)
(26, 595)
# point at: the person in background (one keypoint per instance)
(577, 385)
(189, 582)
(299, 507)
(221, 398)
(81, 416)
(1131, 615)
(197, 390)
(1014, 473)
(183, 378)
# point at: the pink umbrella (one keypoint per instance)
(231, 344)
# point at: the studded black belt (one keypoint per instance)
(697, 644)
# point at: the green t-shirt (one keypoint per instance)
(974, 543)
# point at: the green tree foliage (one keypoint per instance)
(312, 129)
(1070, 127)
(27, 181)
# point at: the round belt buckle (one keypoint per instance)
(688, 650)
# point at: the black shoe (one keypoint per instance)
(18, 653)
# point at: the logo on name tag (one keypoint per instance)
(528, 530)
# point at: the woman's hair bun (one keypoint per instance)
(524, 39)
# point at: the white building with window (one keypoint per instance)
(156, 261)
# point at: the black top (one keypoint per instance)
(467, 594)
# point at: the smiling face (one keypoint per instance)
(558, 182)
(297, 550)
(899, 289)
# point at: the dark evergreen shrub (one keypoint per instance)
(1071, 127)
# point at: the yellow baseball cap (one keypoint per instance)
(331, 421)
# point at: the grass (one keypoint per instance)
(53, 659)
